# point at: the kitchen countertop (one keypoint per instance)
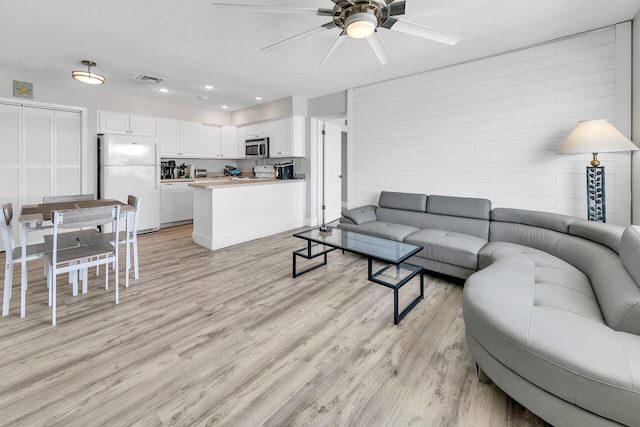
(228, 181)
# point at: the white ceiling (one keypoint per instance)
(190, 43)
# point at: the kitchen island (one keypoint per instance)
(231, 211)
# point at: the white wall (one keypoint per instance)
(328, 106)
(284, 107)
(490, 128)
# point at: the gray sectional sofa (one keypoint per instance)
(551, 303)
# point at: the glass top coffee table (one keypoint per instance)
(394, 275)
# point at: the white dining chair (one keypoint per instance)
(73, 276)
(136, 202)
(13, 254)
(89, 250)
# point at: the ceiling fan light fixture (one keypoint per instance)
(88, 76)
(360, 25)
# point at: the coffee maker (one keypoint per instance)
(284, 170)
(168, 169)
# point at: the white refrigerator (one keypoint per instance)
(130, 165)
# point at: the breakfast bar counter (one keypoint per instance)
(227, 212)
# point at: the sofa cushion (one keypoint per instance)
(605, 234)
(467, 207)
(553, 276)
(547, 220)
(386, 230)
(361, 215)
(404, 201)
(448, 246)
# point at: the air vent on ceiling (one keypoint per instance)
(149, 79)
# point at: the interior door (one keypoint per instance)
(332, 170)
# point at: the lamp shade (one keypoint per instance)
(595, 136)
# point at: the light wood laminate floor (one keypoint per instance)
(229, 338)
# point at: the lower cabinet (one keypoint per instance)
(176, 203)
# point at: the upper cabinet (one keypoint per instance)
(258, 130)
(195, 140)
(287, 137)
(241, 137)
(210, 142)
(126, 124)
(179, 139)
(230, 147)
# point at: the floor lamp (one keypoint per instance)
(595, 136)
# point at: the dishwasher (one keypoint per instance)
(176, 203)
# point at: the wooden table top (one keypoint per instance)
(42, 211)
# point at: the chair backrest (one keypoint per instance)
(87, 217)
(79, 218)
(68, 198)
(7, 230)
(136, 202)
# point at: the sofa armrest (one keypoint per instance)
(361, 215)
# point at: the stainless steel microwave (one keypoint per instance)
(256, 148)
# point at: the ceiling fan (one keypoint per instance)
(358, 19)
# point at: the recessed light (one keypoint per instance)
(163, 90)
(208, 87)
(258, 98)
(204, 98)
(225, 106)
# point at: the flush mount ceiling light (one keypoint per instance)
(208, 87)
(360, 25)
(88, 76)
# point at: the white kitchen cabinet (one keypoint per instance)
(169, 138)
(258, 130)
(229, 142)
(287, 137)
(210, 146)
(190, 139)
(179, 139)
(241, 132)
(126, 124)
(218, 142)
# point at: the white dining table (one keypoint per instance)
(38, 217)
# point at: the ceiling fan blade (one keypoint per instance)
(420, 30)
(333, 50)
(375, 41)
(276, 9)
(397, 8)
(303, 35)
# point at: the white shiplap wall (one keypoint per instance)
(490, 128)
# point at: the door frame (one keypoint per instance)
(317, 125)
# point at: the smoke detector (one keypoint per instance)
(144, 78)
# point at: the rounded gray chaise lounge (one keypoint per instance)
(551, 308)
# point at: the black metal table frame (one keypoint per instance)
(372, 277)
